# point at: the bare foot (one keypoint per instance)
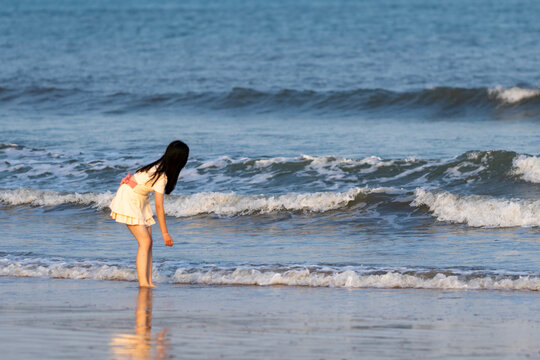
(145, 285)
(152, 285)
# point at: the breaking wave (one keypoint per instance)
(46, 198)
(473, 210)
(479, 211)
(513, 95)
(231, 204)
(527, 167)
(333, 276)
(352, 279)
(222, 204)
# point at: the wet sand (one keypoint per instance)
(92, 319)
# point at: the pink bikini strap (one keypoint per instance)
(128, 179)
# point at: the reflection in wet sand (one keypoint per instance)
(141, 345)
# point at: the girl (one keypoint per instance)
(130, 204)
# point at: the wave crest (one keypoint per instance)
(23, 166)
(479, 211)
(514, 94)
(231, 204)
(527, 167)
(221, 204)
(33, 197)
(347, 102)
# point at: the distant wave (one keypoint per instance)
(513, 95)
(308, 275)
(479, 211)
(445, 100)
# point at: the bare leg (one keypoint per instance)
(149, 269)
(145, 245)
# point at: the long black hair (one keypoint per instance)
(170, 164)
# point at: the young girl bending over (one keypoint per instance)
(130, 204)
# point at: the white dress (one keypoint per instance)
(130, 205)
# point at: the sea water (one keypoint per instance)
(336, 144)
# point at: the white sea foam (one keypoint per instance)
(223, 204)
(25, 165)
(375, 162)
(231, 204)
(479, 211)
(246, 171)
(266, 275)
(262, 163)
(219, 163)
(464, 170)
(352, 279)
(514, 94)
(527, 167)
(28, 267)
(34, 197)
(318, 162)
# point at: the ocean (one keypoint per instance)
(342, 152)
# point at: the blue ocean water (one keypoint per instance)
(333, 143)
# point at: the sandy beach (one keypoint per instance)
(88, 319)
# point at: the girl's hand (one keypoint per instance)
(167, 239)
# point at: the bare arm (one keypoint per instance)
(167, 239)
